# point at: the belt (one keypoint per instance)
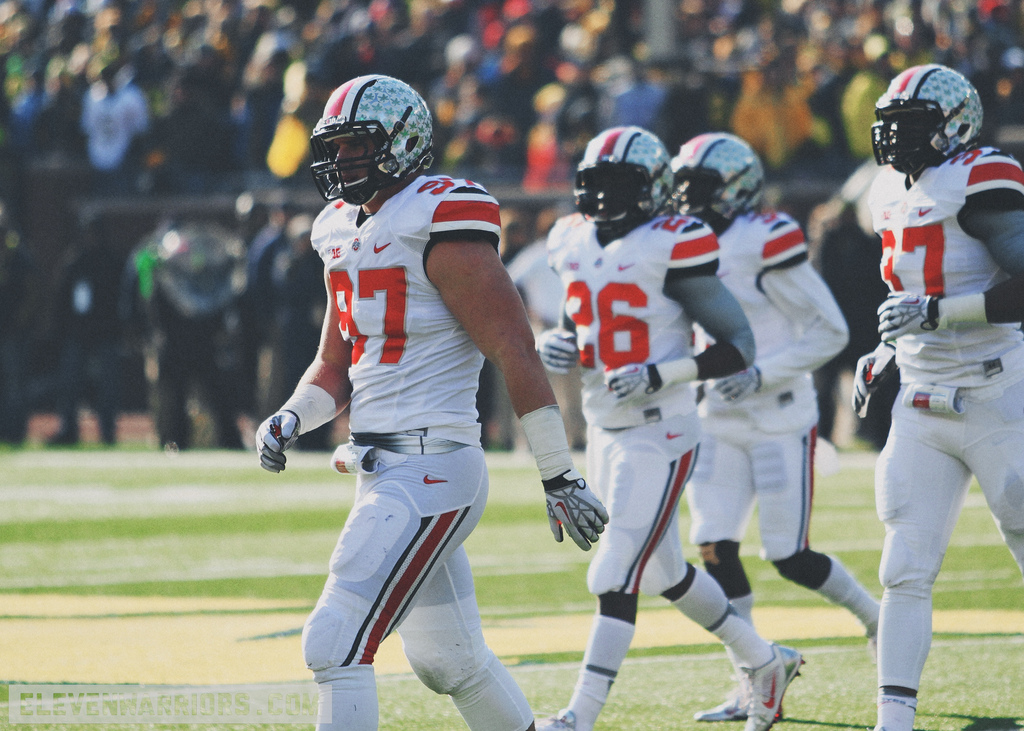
(414, 441)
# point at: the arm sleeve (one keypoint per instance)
(804, 298)
(708, 302)
(1002, 232)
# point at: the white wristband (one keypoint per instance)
(965, 308)
(546, 434)
(312, 404)
(677, 371)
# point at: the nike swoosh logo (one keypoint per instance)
(922, 212)
(770, 703)
(624, 267)
(378, 249)
(428, 480)
(670, 435)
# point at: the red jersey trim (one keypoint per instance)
(469, 211)
(695, 247)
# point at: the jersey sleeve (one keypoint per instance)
(694, 251)
(995, 181)
(785, 245)
(467, 212)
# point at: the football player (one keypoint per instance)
(951, 218)
(760, 425)
(417, 297)
(635, 282)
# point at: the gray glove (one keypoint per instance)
(872, 371)
(274, 436)
(573, 506)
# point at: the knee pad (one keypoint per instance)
(722, 561)
(807, 568)
(618, 605)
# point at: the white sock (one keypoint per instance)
(606, 649)
(744, 606)
(351, 698)
(896, 712)
(841, 588)
(706, 604)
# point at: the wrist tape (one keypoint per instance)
(312, 405)
(546, 434)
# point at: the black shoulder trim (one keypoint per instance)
(790, 262)
(701, 270)
(995, 199)
(465, 235)
(470, 189)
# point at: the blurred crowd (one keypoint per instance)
(200, 97)
(206, 95)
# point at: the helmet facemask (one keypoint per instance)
(697, 191)
(909, 135)
(616, 196)
(376, 160)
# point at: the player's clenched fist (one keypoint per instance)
(274, 436)
(557, 349)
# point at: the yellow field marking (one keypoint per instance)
(196, 641)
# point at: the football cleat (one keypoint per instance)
(768, 684)
(733, 709)
(564, 721)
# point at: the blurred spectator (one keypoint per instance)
(87, 326)
(196, 138)
(18, 279)
(773, 113)
(114, 114)
(639, 103)
(299, 302)
(848, 254)
(865, 87)
(546, 165)
(189, 279)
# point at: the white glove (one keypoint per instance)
(274, 436)
(573, 506)
(903, 313)
(557, 350)
(872, 371)
(627, 379)
(739, 385)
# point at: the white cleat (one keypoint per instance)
(564, 721)
(768, 684)
(733, 709)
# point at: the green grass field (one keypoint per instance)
(198, 568)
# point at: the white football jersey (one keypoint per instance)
(615, 296)
(413, 364)
(796, 322)
(925, 251)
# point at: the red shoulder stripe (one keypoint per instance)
(463, 210)
(786, 241)
(986, 172)
(695, 247)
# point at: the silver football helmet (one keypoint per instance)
(387, 132)
(718, 177)
(623, 179)
(928, 114)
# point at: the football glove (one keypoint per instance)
(872, 371)
(627, 379)
(274, 436)
(574, 507)
(739, 385)
(557, 350)
(903, 313)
